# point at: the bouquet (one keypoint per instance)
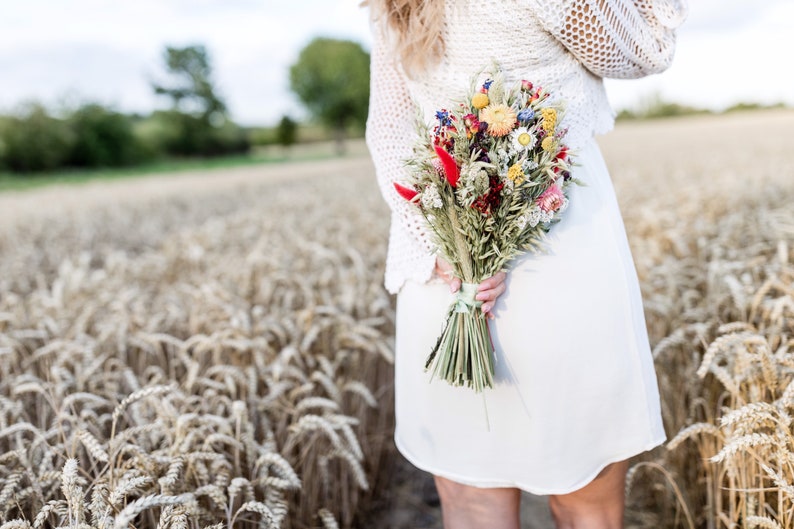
(490, 179)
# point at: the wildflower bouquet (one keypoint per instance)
(490, 180)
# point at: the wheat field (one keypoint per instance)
(214, 349)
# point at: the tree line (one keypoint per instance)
(330, 77)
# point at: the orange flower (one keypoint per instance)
(501, 119)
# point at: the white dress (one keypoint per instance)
(575, 384)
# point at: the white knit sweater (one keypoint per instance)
(566, 46)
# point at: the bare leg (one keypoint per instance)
(597, 505)
(466, 507)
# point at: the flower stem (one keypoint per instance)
(463, 249)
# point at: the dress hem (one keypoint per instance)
(495, 483)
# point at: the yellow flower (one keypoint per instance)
(480, 100)
(549, 119)
(548, 143)
(500, 119)
(516, 174)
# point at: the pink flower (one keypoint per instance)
(551, 199)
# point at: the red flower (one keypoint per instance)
(562, 154)
(472, 124)
(488, 202)
(451, 170)
(405, 192)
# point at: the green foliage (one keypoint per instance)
(741, 107)
(103, 138)
(190, 85)
(182, 134)
(198, 124)
(35, 141)
(287, 131)
(262, 136)
(656, 107)
(331, 77)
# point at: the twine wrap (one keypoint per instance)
(464, 301)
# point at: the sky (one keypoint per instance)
(62, 53)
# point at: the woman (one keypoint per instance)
(575, 392)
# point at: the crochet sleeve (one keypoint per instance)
(622, 39)
(390, 135)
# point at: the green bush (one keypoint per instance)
(262, 136)
(35, 141)
(180, 134)
(742, 107)
(287, 131)
(103, 138)
(5, 122)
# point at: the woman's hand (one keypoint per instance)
(487, 291)
(444, 271)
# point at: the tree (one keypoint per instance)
(331, 77)
(198, 123)
(287, 131)
(190, 87)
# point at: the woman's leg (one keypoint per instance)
(466, 507)
(597, 505)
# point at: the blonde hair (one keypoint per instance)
(418, 25)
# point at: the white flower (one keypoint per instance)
(530, 165)
(522, 139)
(474, 182)
(521, 222)
(533, 216)
(431, 198)
(480, 182)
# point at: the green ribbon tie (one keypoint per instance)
(464, 301)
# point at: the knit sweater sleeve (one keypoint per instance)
(390, 135)
(623, 39)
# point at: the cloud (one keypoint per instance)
(728, 50)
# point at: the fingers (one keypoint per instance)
(489, 290)
(445, 271)
(492, 282)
